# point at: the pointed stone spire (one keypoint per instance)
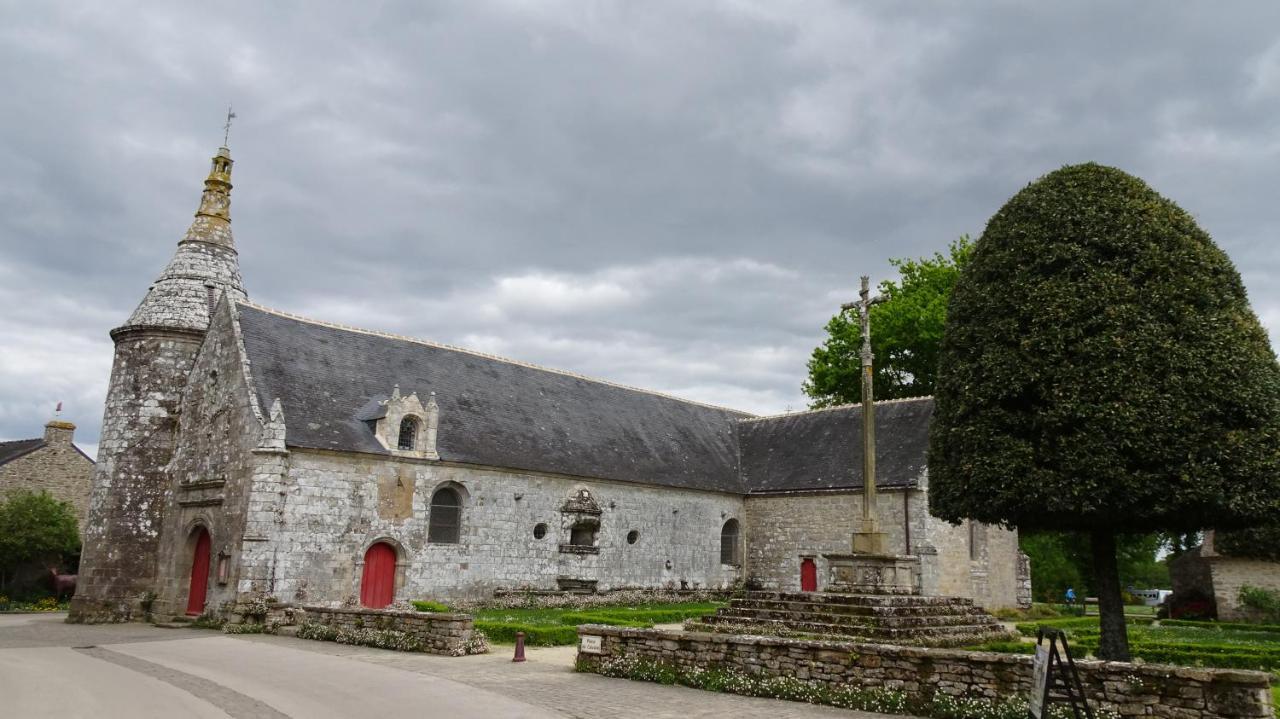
(203, 269)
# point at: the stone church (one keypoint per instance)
(248, 452)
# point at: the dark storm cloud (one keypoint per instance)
(672, 195)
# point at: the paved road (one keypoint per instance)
(51, 669)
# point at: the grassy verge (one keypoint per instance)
(559, 627)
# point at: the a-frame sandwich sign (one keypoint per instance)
(1054, 677)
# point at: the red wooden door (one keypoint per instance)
(808, 575)
(199, 575)
(378, 582)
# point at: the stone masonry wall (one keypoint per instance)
(440, 633)
(210, 475)
(1131, 690)
(979, 562)
(325, 509)
(121, 534)
(780, 529)
(1230, 574)
(57, 468)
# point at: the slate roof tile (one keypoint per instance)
(503, 413)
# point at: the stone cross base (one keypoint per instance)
(873, 574)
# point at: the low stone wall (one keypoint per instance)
(1153, 690)
(439, 633)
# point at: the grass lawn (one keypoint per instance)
(558, 627)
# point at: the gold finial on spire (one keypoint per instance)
(226, 129)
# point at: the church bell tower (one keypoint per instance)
(154, 353)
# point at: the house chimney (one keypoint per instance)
(58, 432)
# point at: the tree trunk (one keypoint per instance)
(1114, 645)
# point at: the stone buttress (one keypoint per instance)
(154, 352)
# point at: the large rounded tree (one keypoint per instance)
(1102, 371)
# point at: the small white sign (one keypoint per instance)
(1039, 678)
(591, 644)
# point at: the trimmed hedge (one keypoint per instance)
(1235, 626)
(631, 618)
(426, 605)
(1220, 656)
(535, 635)
(1075, 625)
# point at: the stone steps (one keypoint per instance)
(855, 610)
(849, 620)
(908, 619)
(859, 600)
(944, 636)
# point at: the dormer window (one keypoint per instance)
(408, 433)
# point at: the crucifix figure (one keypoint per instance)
(226, 129)
(868, 539)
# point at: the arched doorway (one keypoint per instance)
(808, 575)
(199, 573)
(378, 582)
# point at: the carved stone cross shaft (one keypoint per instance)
(869, 538)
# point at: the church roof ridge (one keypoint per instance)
(488, 356)
(834, 408)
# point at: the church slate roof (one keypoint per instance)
(492, 411)
(16, 448)
(502, 413)
(823, 449)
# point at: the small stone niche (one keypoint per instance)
(580, 520)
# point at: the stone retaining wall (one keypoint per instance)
(439, 632)
(1153, 690)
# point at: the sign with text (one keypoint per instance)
(1054, 677)
(590, 644)
(1039, 681)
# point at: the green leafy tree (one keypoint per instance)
(906, 331)
(35, 527)
(1062, 559)
(1253, 543)
(1102, 372)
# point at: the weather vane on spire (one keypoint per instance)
(226, 129)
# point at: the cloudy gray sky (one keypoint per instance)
(674, 195)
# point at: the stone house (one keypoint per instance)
(1205, 571)
(52, 463)
(247, 451)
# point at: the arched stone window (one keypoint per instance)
(729, 553)
(444, 523)
(408, 433)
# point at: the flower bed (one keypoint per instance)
(435, 633)
(945, 683)
(879, 700)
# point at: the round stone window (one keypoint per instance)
(540, 531)
(632, 536)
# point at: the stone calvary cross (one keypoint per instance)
(868, 539)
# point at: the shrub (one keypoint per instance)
(618, 619)
(535, 635)
(477, 644)
(246, 628)
(367, 637)
(1194, 605)
(1265, 602)
(208, 620)
(35, 527)
(426, 605)
(1244, 626)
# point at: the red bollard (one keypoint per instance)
(519, 647)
